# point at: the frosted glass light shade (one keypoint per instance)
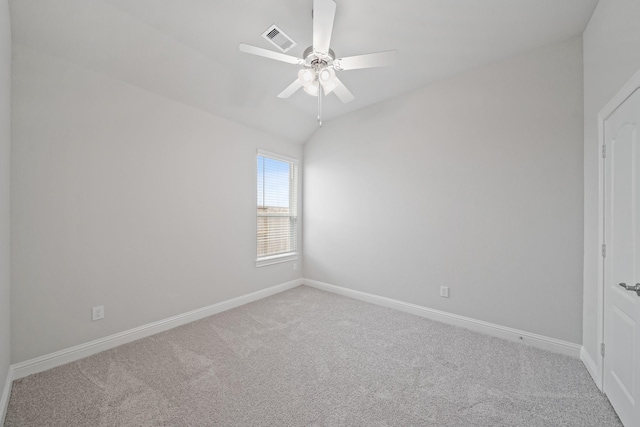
(327, 78)
(306, 76)
(312, 89)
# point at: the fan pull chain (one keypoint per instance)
(319, 103)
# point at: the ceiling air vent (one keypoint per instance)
(279, 39)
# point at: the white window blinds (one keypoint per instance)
(277, 208)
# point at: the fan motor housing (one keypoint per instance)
(312, 59)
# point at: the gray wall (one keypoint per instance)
(474, 183)
(611, 46)
(126, 199)
(5, 133)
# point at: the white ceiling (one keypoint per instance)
(187, 50)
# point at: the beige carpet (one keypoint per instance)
(311, 358)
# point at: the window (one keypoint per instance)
(277, 208)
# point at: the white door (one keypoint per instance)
(622, 260)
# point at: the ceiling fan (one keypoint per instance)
(319, 64)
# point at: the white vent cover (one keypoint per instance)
(278, 38)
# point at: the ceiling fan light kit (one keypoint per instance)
(319, 63)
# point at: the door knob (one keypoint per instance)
(635, 288)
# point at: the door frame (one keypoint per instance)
(627, 90)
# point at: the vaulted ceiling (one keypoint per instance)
(187, 50)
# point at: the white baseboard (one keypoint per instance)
(592, 367)
(48, 361)
(6, 393)
(535, 340)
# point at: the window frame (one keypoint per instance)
(294, 199)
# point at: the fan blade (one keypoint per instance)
(291, 89)
(270, 54)
(370, 60)
(342, 92)
(323, 13)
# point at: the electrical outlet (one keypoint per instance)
(444, 291)
(97, 313)
(295, 266)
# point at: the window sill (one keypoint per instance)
(276, 259)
